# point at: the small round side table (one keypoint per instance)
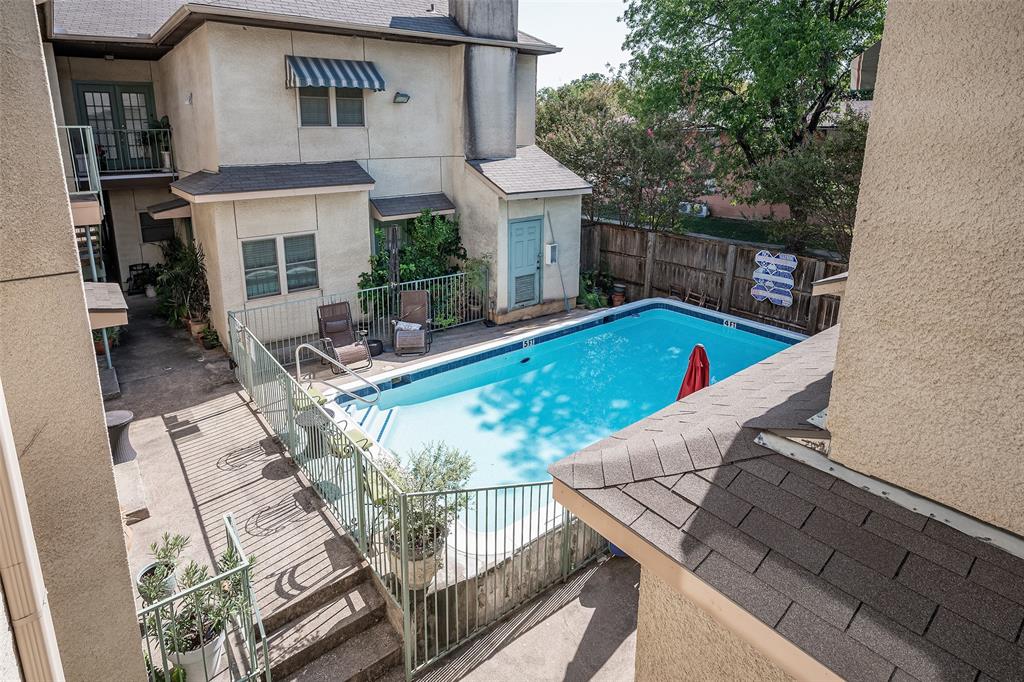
(117, 432)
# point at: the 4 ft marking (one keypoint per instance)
(729, 323)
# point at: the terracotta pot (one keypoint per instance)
(618, 299)
(197, 326)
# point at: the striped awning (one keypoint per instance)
(317, 72)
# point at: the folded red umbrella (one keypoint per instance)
(698, 372)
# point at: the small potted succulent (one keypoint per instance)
(157, 577)
(193, 628)
(429, 518)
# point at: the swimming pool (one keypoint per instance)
(519, 406)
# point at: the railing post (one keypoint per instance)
(565, 543)
(408, 638)
(360, 497)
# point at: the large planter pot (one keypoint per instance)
(421, 571)
(150, 291)
(194, 662)
(196, 326)
(170, 584)
(165, 161)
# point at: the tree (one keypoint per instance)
(820, 181)
(760, 74)
(574, 123)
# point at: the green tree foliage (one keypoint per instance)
(640, 168)
(762, 75)
(819, 181)
(430, 247)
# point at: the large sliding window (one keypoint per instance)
(261, 259)
(300, 262)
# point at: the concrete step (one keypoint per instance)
(335, 623)
(375, 654)
(345, 582)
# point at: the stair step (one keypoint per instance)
(370, 655)
(313, 601)
(316, 633)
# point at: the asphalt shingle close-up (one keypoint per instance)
(871, 589)
(531, 170)
(274, 176)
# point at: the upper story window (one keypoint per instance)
(315, 106)
(349, 103)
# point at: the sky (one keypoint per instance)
(586, 30)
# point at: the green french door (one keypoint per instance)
(119, 114)
(524, 237)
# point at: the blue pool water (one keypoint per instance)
(518, 412)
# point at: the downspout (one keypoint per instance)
(20, 571)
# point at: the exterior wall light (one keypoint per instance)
(401, 98)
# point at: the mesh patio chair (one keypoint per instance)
(413, 309)
(339, 338)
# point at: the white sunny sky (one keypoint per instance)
(586, 30)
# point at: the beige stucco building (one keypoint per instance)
(850, 508)
(410, 97)
(63, 564)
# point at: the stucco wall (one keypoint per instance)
(678, 640)
(46, 358)
(929, 372)
(186, 97)
(526, 99)
(341, 223)
(124, 207)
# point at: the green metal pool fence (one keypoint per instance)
(455, 300)
(211, 630)
(453, 562)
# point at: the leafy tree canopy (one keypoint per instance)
(761, 73)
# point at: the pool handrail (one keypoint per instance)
(337, 363)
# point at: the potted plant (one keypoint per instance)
(181, 285)
(477, 272)
(428, 518)
(158, 137)
(210, 338)
(157, 577)
(193, 628)
(113, 338)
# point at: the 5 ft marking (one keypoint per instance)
(528, 343)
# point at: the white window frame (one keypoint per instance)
(282, 265)
(332, 111)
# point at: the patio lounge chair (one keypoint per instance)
(414, 309)
(339, 338)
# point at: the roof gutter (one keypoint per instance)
(182, 14)
(20, 571)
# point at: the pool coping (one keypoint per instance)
(488, 349)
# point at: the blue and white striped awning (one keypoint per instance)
(317, 72)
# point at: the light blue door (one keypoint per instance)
(524, 237)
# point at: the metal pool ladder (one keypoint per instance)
(342, 367)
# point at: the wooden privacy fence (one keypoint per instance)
(714, 273)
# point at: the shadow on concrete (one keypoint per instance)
(589, 617)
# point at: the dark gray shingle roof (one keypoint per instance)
(143, 18)
(531, 171)
(176, 202)
(870, 589)
(417, 203)
(274, 176)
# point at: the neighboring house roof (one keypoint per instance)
(157, 20)
(398, 208)
(868, 588)
(275, 179)
(530, 172)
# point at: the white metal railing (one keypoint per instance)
(134, 150)
(281, 327)
(78, 154)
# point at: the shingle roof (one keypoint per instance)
(390, 207)
(170, 204)
(143, 18)
(870, 589)
(529, 172)
(274, 176)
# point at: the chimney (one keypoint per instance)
(490, 76)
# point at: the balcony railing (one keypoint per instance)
(143, 150)
(78, 153)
